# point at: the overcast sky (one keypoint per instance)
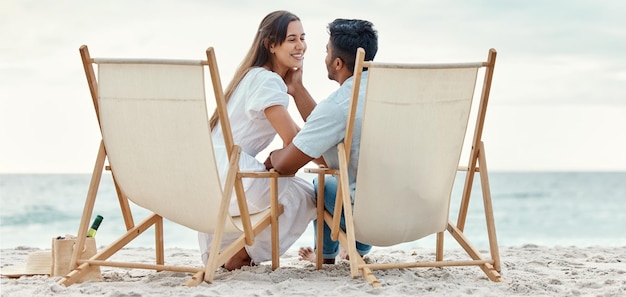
(558, 98)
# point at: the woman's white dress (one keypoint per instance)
(260, 89)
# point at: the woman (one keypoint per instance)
(257, 103)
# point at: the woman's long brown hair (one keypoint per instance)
(272, 31)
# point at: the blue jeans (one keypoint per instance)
(331, 248)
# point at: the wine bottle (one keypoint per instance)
(94, 226)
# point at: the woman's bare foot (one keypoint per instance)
(308, 254)
(240, 259)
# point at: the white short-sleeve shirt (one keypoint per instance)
(258, 90)
(326, 127)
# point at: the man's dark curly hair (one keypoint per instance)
(346, 36)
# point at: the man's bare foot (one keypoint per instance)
(308, 254)
(343, 254)
(240, 259)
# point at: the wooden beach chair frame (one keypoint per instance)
(490, 265)
(224, 221)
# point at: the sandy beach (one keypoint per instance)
(529, 270)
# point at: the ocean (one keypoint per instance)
(543, 208)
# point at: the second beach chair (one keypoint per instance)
(414, 124)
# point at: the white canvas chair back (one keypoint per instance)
(413, 127)
(155, 128)
(411, 142)
(156, 138)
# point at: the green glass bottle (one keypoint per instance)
(94, 226)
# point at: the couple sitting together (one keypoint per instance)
(257, 100)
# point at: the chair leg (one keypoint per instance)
(491, 226)
(335, 225)
(90, 201)
(274, 223)
(158, 241)
(195, 280)
(366, 272)
(473, 252)
(343, 194)
(212, 262)
(127, 214)
(319, 237)
(351, 240)
(439, 251)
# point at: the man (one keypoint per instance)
(325, 123)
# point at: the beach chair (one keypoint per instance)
(157, 141)
(413, 128)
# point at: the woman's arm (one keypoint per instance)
(286, 128)
(304, 101)
(279, 117)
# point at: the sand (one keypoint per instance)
(529, 270)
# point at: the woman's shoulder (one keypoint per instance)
(259, 78)
(260, 73)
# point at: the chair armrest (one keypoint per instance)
(262, 174)
(321, 170)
